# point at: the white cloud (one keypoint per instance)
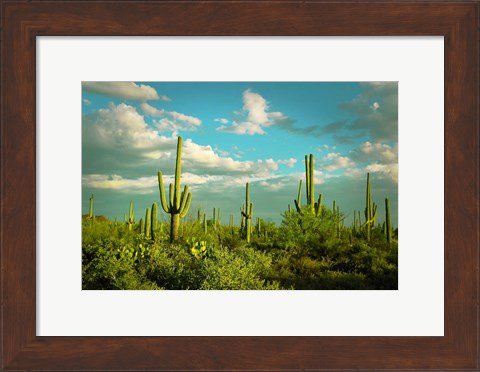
(123, 89)
(150, 110)
(378, 152)
(255, 106)
(120, 126)
(254, 118)
(117, 140)
(390, 170)
(186, 118)
(288, 162)
(171, 121)
(87, 102)
(334, 161)
(143, 185)
(221, 120)
(242, 128)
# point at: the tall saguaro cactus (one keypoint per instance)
(248, 212)
(388, 222)
(179, 202)
(310, 182)
(370, 211)
(315, 207)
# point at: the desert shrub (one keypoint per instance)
(241, 269)
(109, 270)
(172, 266)
(304, 233)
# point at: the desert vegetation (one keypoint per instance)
(312, 248)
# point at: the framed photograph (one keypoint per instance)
(348, 131)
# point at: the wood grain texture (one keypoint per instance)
(23, 21)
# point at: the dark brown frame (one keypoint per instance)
(22, 21)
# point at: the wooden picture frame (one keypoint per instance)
(23, 21)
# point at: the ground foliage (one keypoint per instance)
(303, 252)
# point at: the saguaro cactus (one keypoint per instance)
(310, 182)
(91, 217)
(148, 223)
(370, 212)
(154, 220)
(354, 227)
(248, 212)
(388, 222)
(179, 202)
(142, 226)
(315, 207)
(131, 217)
(205, 223)
(299, 197)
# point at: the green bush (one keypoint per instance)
(240, 270)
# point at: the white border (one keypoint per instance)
(416, 309)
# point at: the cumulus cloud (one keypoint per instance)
(378, 152)
(87, 102)
(288, 162)
(367, 157)
(119, 126)
(123, 89)
(115, 182)
(334, 161)
(254, 117)
(383, 171)
(221, 120)
(171, 121)
(242, 128)
(256, 107)
(117, 140)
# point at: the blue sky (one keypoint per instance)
(238, 132)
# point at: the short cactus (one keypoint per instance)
(148, 223)
(131, 218)
(154, 218)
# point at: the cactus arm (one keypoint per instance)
(299, 197)
(318, 205)
(161, 188)
(297, 206)
(183, 199)
(184, 212)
